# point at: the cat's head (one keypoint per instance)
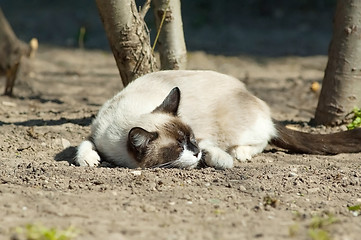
(172, 144)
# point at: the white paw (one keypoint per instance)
(219, 159)
(246, 152)
(86, 155)
(242, 153)
(215, 156)
(90, 159)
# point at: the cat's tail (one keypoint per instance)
(323, 144)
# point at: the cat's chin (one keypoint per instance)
(187, 160)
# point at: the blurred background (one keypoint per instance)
(248, 27)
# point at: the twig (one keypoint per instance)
(160, 26)
(143, 11)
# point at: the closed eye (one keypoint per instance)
(192, 139)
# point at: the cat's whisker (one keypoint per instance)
(164, 165)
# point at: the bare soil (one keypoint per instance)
(275, 196)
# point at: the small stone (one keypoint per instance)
(187, 197)
(313, 190)
(65, 143)
(343, 128)
(242, 188)
(292, 174)
(355, 213)
(293, 206)
(153, 186)
(136, 172)
(9, 104)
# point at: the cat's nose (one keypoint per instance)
(198, 155)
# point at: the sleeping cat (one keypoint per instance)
(187, 118)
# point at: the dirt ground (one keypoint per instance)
(275, 196)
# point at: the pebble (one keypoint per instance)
(9, 104)
(65, 143)
(343, 128)
(292, 174)
(136, 172)
(153, 186)
(313, 190)
(293, 206)
(355, 213)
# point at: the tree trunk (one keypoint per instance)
(128, 39)
(11, 51)
(172, 48)
(341, 88)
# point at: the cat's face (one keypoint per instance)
(172, 145)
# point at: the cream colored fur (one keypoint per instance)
(228, 121)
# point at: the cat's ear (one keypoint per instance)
(138, 138)
(170, 103)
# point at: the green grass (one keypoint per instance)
(321, 222)
(269, 201)
(318, 234)
(39, 232)
(317, 227)
(293, 230)
(355, 208)
(356, 120)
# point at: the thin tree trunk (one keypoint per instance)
(341, 88)
(128, 38)
(171, 45)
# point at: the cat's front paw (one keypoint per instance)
(214, 156)
(242, 153)
(86, 155)
(218, 159)
(91, 159)
(245, 153)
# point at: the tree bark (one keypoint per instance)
(11, 51)
(128, 38)
(171, 44)
(341, 88)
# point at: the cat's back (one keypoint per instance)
(186, 80)
(200, 90)
(195, 86)
(147, 92)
